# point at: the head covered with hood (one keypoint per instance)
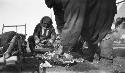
(46, 22)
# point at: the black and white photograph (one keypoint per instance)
(62, 36)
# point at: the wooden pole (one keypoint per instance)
(12, 42)
(2, 28)
(14, 26)
(16, 29)
(25, 29)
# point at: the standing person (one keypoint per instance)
(58, 12)
(43, 32)
(91, 19)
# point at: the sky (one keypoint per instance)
(121, 10)
(21, 12)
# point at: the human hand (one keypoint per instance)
(37, 41)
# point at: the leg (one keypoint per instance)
(92, 48)
(11, 46)
(59, 18)
(78, 46)
(31, 43)
(73, 26)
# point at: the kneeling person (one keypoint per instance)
(44, 33)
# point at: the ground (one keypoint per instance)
(85, 67)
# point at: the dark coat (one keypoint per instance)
(58, 11)
(90, 19)
(38, 31)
